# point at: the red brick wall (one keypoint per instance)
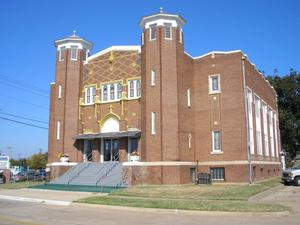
(260, 87)
(157, 174)
(51, 151)
(226, 108)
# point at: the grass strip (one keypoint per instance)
(20, 185)
(200, 192)
(225, 206)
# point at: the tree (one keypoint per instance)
(37, 161)
(288, 96)
(18, 162)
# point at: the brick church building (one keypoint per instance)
(162, 113)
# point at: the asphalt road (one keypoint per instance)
(24, 213)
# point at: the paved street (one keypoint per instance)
(17, 212)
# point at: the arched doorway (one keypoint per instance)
(110, 146)
(111, 124)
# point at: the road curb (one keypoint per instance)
(35, 200)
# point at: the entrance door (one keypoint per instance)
(87, 154)
(111, 150)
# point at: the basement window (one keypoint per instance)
(217, 174)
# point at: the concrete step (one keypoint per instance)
(104, 174)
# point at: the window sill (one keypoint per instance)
(103, 102)
(214, 92)
(133, 98)
(217, 153)
(87, 104)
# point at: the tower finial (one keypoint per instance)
(161, 10)
(74, 33)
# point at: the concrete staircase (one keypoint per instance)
(107, 174)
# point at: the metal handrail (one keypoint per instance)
(80, 170)
(89, 157)
(116, 156)
(106, 173)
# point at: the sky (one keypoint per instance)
(268, 31)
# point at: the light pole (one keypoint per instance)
(10, 152)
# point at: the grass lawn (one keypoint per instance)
(19, 185)
(218, 197)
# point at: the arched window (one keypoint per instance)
(94, 94)
(138, 88)
(110, 125)
(131, 89)
(112, 92)
(88, 95)
(119, 91)
(105, 93)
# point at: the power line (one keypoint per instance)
(12, 80)
(24, 89)
(27, 124)
(21, 117)
(25, 102)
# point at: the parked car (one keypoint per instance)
(30, 175)
(21, 176)
(291, 176)
(2, 178)
(41, 175)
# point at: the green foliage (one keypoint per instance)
(19, 162)
(288, 91)
(37, 161)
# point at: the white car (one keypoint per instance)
(291, 175)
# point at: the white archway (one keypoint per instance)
(110, 125)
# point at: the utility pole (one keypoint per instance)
(10, 152)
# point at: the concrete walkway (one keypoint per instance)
(284, 195)
(51, 197)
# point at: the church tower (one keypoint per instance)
(71, 52)
(162, 43)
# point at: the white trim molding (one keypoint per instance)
(62, 164)
(211, 84)
(115, 48)
(212, 163)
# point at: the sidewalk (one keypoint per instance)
(44, 196)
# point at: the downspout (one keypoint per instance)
(247, 119)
